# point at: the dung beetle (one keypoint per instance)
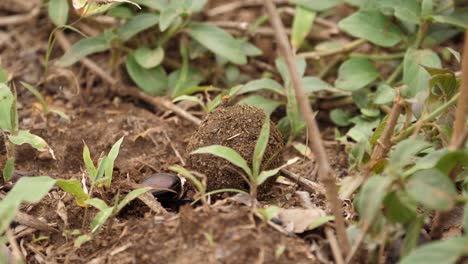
(166, 186)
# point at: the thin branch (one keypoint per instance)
(337, 255)
(323, 53)
(234, 5)
(19, 19)
(325, 172)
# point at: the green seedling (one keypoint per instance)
(12, 135)
(45, 107)
(253, 176)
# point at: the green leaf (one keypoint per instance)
(113, 153)
(371, 197)
(262, 84)
(153, 81)
(260, 147)
(81, 240)
(340, 117)
(148, 58)
(38, 96)
(226, 153)
(267, 105)
(458, 18)
(269, 212)
(432, 188)
(168, 15)
(130, 197)
(355, 74)
(264, 175)
(104, 213)
(447, 252)
(317, 5)
(384, 94)
(313, 84)
(92, 171)
(4, 75)
(189, 84)
(405, 151)
(153, 4)
(73, 187)
(58, 12)
(122, 12)
(8, 169)
(137, 24)
(302, 24)
(6, 103)
(83, 48)
(415, 76)
(100, 171)
(405, 10)
(191, 98)
(218, 41)
(321, 221)
(24, 137)
(427, 7)
(399, 208)
(452, 158)
(284, 71)
(373, 26)
(27, 189)
(412, 235)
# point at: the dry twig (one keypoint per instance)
(326, 173)
(19, 19)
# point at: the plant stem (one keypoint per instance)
(345, 48)
(391, 56)
(426, 118)
(395, 74)
(326, 173)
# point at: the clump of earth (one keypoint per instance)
(237, 127)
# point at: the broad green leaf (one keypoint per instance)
(262, 84)
(447, 252)
(8, 169)
(218, 41)
(317, 5)
(73, 187)
(302, 24)
(399, 208)
(186, 174)
(432, 188)
(405, 151)
(415, 76)
(355, 74)
(6, 103)
(97, 203)
(27, 189)
(148, 58)
(250, 49)
(113, 153)
(340, 117)
(168, 15)
(83, 48)
(450, 159)
(38, 96)
(137, 24)
(384, 94)
(267, 105)
(226, 153)
(152, 81)
(261, 146)
(313, 84)
(372, 26)
(458, 18)
(405, 10)
(58, 12)
(130, 197)
(122, 12)
(438, 34)
(89, 162)
(427, 162)
(24, 137)
(371, 197)
(427, 7)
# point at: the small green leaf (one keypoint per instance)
(100, 171)
(38, 96)
(340, 117)
(458, 18)
(24, 137)
(148, 58)
(313, 84)
(452, 158)
(355, 74)
(153, 81)
(405, 151)
(58, 12)
(191, 98)
(137, 24)
(302, 24)
(218, 41)
(373, 26)
(6, 103)
(371, 197)
(226, 153)
(447, 252)
(412, 235)
(83, 48)
(262, 84)
(81, 240)
(321, 221)
(4, 75)
(168, 15)
(113, 153)
(399, 208)
(267, 105)
(73, 187)
(269, 212)
(89, 162)
(260, 147)
(8, 169)
(317, 5)
(130, 197)
(186, 174)
(384, 94)
(104, 213)
(432, 188)
(264, 175)
(405, 10)
(415, 76)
